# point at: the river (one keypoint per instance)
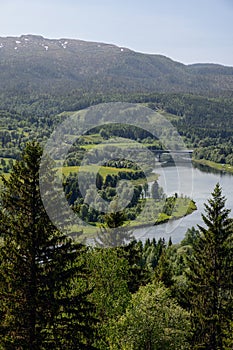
(196, 182)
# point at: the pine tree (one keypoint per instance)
(138, 273)
(211, 276)
(43, 282)
(155, 190)
(163, 271)
(113, 233)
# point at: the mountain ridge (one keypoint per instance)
(34, 64)
(32, 37)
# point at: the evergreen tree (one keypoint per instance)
(228, 339)
(113, 233)
(163, 271)
(138, 273)
(99, 181)
(43, 281)
(155, 191)
(211, 276)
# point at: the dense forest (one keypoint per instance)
(204, 123)
(57, 293)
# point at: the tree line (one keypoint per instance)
(204, 122)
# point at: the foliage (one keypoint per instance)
(155, 190)
(43, 283)
(153, 320)
(109, 278)
(156, 295)
(190, 237)
(210, 275)
(114, 233)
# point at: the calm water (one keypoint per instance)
(194, 182)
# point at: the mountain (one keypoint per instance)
(35, 66)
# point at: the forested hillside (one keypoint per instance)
(35, 66)
(40, 78)
(204, 123)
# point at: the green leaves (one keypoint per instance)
(109, 279)
(153, 320)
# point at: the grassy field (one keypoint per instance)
(222, 167)
(104, 171)
(155, 215)
(115, 142)
(169, 116)
(93, 139)
(6, 176)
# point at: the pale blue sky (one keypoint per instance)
(187, 31)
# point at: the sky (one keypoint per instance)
(188, 31)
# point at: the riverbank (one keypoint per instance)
(181, 211)
(221, 167)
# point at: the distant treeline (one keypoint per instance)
(204, 123)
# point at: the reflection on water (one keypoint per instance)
(196, 182)
(207, 169)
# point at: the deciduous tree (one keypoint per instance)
(153, 320)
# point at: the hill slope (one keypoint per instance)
(34, 65)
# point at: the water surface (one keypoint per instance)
(196, 182)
